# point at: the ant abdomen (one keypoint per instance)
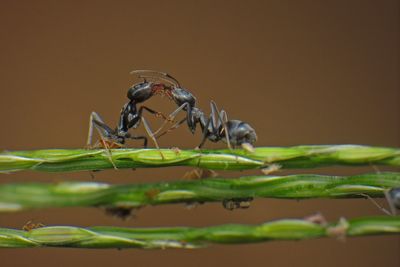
(240, 132)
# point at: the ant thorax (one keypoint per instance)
(197, 114)
(128, 118)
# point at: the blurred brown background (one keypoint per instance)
(300, 72)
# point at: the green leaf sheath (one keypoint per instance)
(287, 157)
(190, 237)
(19, 196)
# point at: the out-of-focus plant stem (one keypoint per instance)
(189, 237)
(15, 197)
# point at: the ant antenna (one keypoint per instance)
(159, 78)
(170, 77)
(377, 204)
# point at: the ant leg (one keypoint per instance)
(206, 132)
(377, 204)
(90, 132)
(140, 116)
(375, 168)
(171, 117)
(156, 113)
(108, 151)
(103, 129)
(138, 138)
(224, 123)
(391, 197)
(93, 119)
(150, 133)
(222, 120)
(214, 113)
(173, 127)
(104, 132)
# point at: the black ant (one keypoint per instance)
(216, 127)
(130, 117)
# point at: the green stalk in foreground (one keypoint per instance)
(225, 159)
(15, 197)
(190, 237)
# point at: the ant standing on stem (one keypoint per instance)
(130, 117)
(215, 127)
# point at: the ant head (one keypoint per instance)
(182, 96)
(140, 92)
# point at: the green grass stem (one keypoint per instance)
(62, 160)
(190, 237)
(19, 196)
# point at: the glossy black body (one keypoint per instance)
(215, 127)
(130, 115)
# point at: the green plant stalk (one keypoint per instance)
(190, 237)
(15, 197)
(225, 159)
